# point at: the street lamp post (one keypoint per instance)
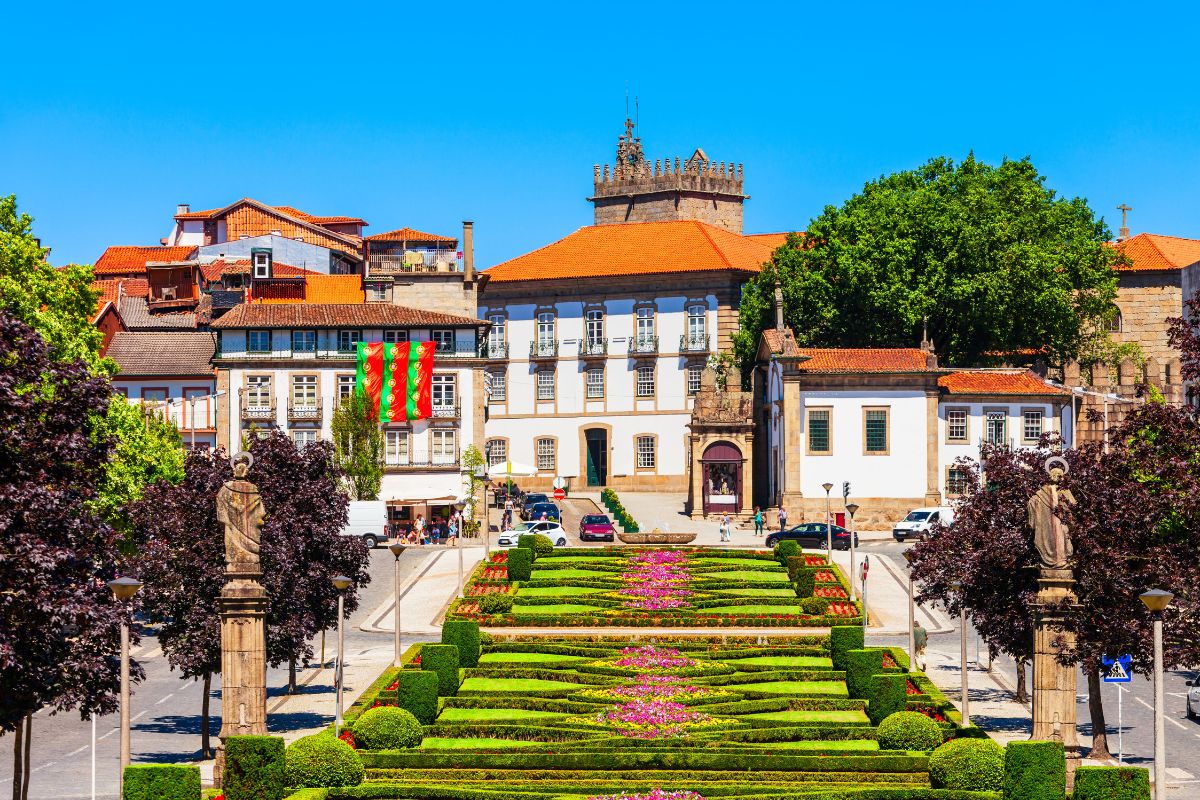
(482, 475)
(912, 615)
(397, 549)
(123, 590)
(962, 655)
(341, 583)
(459, 506)
(828, 523)
(1156, 600)
(851, 509)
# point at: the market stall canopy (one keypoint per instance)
(510, 469)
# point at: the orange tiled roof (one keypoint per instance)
(771, 240)
(319, 288)
(1150, 251)
(997, 382)
(333, 315)
(111, 288)
(213, 270)
(119, 259)
(410, 235)
(866, 359)
(291, 211)
(641, 248)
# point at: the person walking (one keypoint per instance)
(419, 528)
(758, 521)
(725, 528)
(920, 641)
(452, 530)
(782, 519)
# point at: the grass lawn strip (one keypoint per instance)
(494, 715)
(755, 592)
(526, 658)
(572, 572)
(739, 563)
(784, 661)
(515, 685)
(735, 611)
(858, 745)
(557, 608)
(559, 591)
(810, 717)
(448, 743)
(823, 688)
(744, 575)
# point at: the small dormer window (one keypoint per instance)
(261, 260)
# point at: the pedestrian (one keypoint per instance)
(419, 528)
(452, 530)
(542, 518)
(782, 518)
(920, 640)
(758, 521)
(726, 528)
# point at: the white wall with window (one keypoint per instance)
(189, 403)
(966, 422)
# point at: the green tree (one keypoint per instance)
(147, 449)
(994, 260)
(358, 446)
(469, 463)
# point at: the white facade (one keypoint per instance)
(188, 403)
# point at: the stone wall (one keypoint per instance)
(721, 211)
(1147, 299)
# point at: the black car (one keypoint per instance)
(531, 499)
(812, 536)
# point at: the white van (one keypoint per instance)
(920, 520)
(368, 520)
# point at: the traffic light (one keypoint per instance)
(845, 489)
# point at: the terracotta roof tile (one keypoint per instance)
(123, 259)
(771, 240)
(870, 359)
(138, 317)
(174, 353)
(410, 235)
(318, 288)
(997, 382)
(111, 288)
(642, 248)
(298, 214)
(213, 270)
(334, 315)
(1150, 251)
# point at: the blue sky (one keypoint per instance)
(110, 114)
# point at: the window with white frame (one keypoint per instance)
(645, 380)
(1031, 424)
(695, 373)
(443, 341)
(697, 331)
(496, 334)
(345, 386)
(645, 452)
(395, 337)
(645, 328)
(304, 392)
(996, 430)
(594, 330)
(442, 390)
(545, 384)
(545, 455)
(496, 451)
(956, 424)
(304, 436)
(395, 448)
(443, 445)
(545, 333)
(304, 341)
(499, 386)
(348, 340)
(377, 291)
(258, 391)
(154, 400)
(595, 383)
(258, 341)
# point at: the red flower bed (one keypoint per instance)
(825, 576)
(814, 561)
(500, 557)
(347, 736)
(842, 610)
(495, 588)
(888, 661)
(930, 712)
(911, 688)
(494, 574)
(829, 591)
(468, 608)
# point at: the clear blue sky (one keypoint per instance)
(424, 114)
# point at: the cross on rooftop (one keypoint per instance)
(1123, 234)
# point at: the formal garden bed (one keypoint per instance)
(664, 587)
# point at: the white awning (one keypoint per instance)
(411, 489)
(510, 469)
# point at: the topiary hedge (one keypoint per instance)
(493, 603)
(464, 635)
(816, 606)
(254, 768)
(785, 550)
(417, 693)
(442, 660)
(861, 666)
(520, 563)
(1111, 783)
(322, 760)
(542, 545)
(973, 765)
(805, 581)
(841, 639)
(908, 730)
(889, 694)
(1034, 771)
(387, 728)
(525, 540)
(161, 782)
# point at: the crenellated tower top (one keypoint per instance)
(634, 190)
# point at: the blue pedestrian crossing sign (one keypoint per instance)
(1116, 670)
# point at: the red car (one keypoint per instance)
(596, 528)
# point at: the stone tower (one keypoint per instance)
(637, 191)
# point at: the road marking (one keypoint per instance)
(137, 650)
(155, 653)
(139, 716)
(165, 699)
(43, 766)
(1179, 774)
(105, 736)
(77, 751)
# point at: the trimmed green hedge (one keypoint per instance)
(254, 768)
(889, 694)
(861, 667)
(1034, 771)
(785, 550)
(908, 730)
(814, 605)
(520, 563)
(645, 759)
(975, 765)
(387, 728)
(322, 760)
(496, 603)
(464, 635)
(162, 782)
(1111, 783)
(841, 639)
(525, 541)
(442, 660)
(417, 693)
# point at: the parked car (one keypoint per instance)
(812, 536)
(596, 528)
(551, 529)
(920, 520)
(367, 519)
(530, 500)
(1193, 698)
(534, 512)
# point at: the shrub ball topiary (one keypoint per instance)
(520, 563)
(841, 639)
(526, 541)
(815, 605)
(1108, 783)
(542, 545)
(162, 782)
(322, 760)
(417, 693)
(971, 765)
(908, 730)
(1035, 771)
(387, 728)
(463, 634)
(254, 768)
(495, 603)
(786, 550)
(442, 660)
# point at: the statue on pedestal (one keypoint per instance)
(240, 510)
(1051, 535)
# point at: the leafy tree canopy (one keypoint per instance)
(146, 448)
(995, 260)
(358, 446)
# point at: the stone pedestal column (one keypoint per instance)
(1055, 684)
(243, 606)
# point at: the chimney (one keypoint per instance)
(183, 208)
(779, 326)
(468, 244)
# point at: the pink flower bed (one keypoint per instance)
(651, 657)
(650, 719)
(654, 794)
(655, 687)
(656, 580)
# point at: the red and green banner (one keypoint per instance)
(396, 379)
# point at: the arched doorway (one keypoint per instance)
(721, 466)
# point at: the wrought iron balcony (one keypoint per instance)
(494, 350)
(643, 344)
(304, 412)
(593, 347)
(543, 350)
(694, 343)
(447, 410)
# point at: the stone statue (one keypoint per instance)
(1050, 534)
(240, 510)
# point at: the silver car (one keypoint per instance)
(1193, 698)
